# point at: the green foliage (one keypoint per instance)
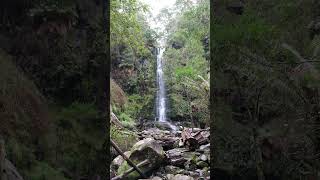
(250, 31)
(184, 72)
(133, 60)
(179, 106)
(45, 171)
(183, 66)
(79, 111)
(125, 27)
(137, 107)
(125, 139)
(26, 124)
(79, 132)
(21, 154)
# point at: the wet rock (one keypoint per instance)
(200, 172)
(153, 178)
(205, 147)
(165, 138)
(193, 174)
(172, 169)
(169, 176)
(179, 177)
(175, 162)
(203, 157)
(177, 156)
(163, 126)
(202, 164)
(181, 143)
(190, 165)
(168, 142)
(156, 178)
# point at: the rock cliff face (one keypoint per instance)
(56, 45)
(118, 96)
(23, 112)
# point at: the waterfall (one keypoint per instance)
(161, 92)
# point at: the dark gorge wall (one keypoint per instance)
(50, 55)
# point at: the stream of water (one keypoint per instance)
(161, 92)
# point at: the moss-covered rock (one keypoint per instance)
(115, 164)
(202, 164)
(142, 150)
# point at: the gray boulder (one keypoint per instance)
(143, 150)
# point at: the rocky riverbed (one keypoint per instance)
(167, 155)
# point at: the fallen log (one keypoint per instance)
(131, 170)
(115, 120)
(126, 158)
(7, 170)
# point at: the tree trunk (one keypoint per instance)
(127, 159)
(258, 155)
(2, 160)
(103, 101)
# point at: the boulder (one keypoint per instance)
(179, 177)
(142, 150)
(203, 157)
(177, 156)
(173, 169)
(156, 178)
(205, 147)
(153, 178)
(115, 164)
(165, 126)
(202, 164)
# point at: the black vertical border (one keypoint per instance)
(211, 91)
(105, 70)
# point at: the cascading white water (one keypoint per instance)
(161, 102)
(161, 92)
